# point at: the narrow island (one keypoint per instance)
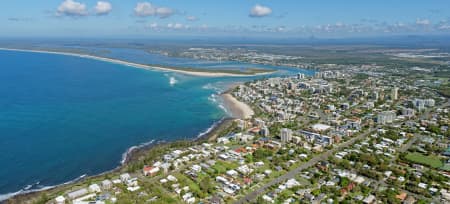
(188, 71)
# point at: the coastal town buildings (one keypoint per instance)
(311, 140)
(286, 135)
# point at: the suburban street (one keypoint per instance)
(291, 174)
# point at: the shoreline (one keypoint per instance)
(134, 153)
(237, 108)
(140, 66)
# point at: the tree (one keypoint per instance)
(262, 153)
(344, 181)
(346, 164)
(43, 199)
(316, 192)
(249, 158)
(369, 158)
(205, 184)
(434, 129)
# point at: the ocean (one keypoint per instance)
(64, 117)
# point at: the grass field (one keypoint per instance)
(431, 161)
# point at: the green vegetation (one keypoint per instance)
(444, 89)
(361, 76)
(446, 167)
(262, 154)
(431, 161)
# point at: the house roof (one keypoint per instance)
(401, 196)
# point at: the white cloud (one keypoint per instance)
(153, 25)
(191, 18)
(281, 29)
(176, 26)
(260, 11)
(71, 8)
(444, 27)
(103, 8)
(164, 12)
(422, 21)
(144, 9)
(339, 24)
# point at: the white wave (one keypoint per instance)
(27, 187)
(129, 150)
(207, 86)
(172, 81)
(36, 188)
(213, 98)
(216, 99)
(227, 112)
(210, 86)
(210, 128)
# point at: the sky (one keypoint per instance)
(247, 18)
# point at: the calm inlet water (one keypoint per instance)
(62, 117)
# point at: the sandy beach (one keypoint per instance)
(141, 66)
(238, 109)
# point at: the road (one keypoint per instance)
(384, 184)
(291, 174)
(322, 157)
(414, 138)
(426, 114)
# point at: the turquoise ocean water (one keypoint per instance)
(63, 117)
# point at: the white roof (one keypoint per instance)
(133, 188)
(116, 181)
(78, 193)
(94, 187)
(321, 127)
(125, 176)
(171, 178)
(60, 199)
(422, 185)
(232, 172)
(369, 199)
